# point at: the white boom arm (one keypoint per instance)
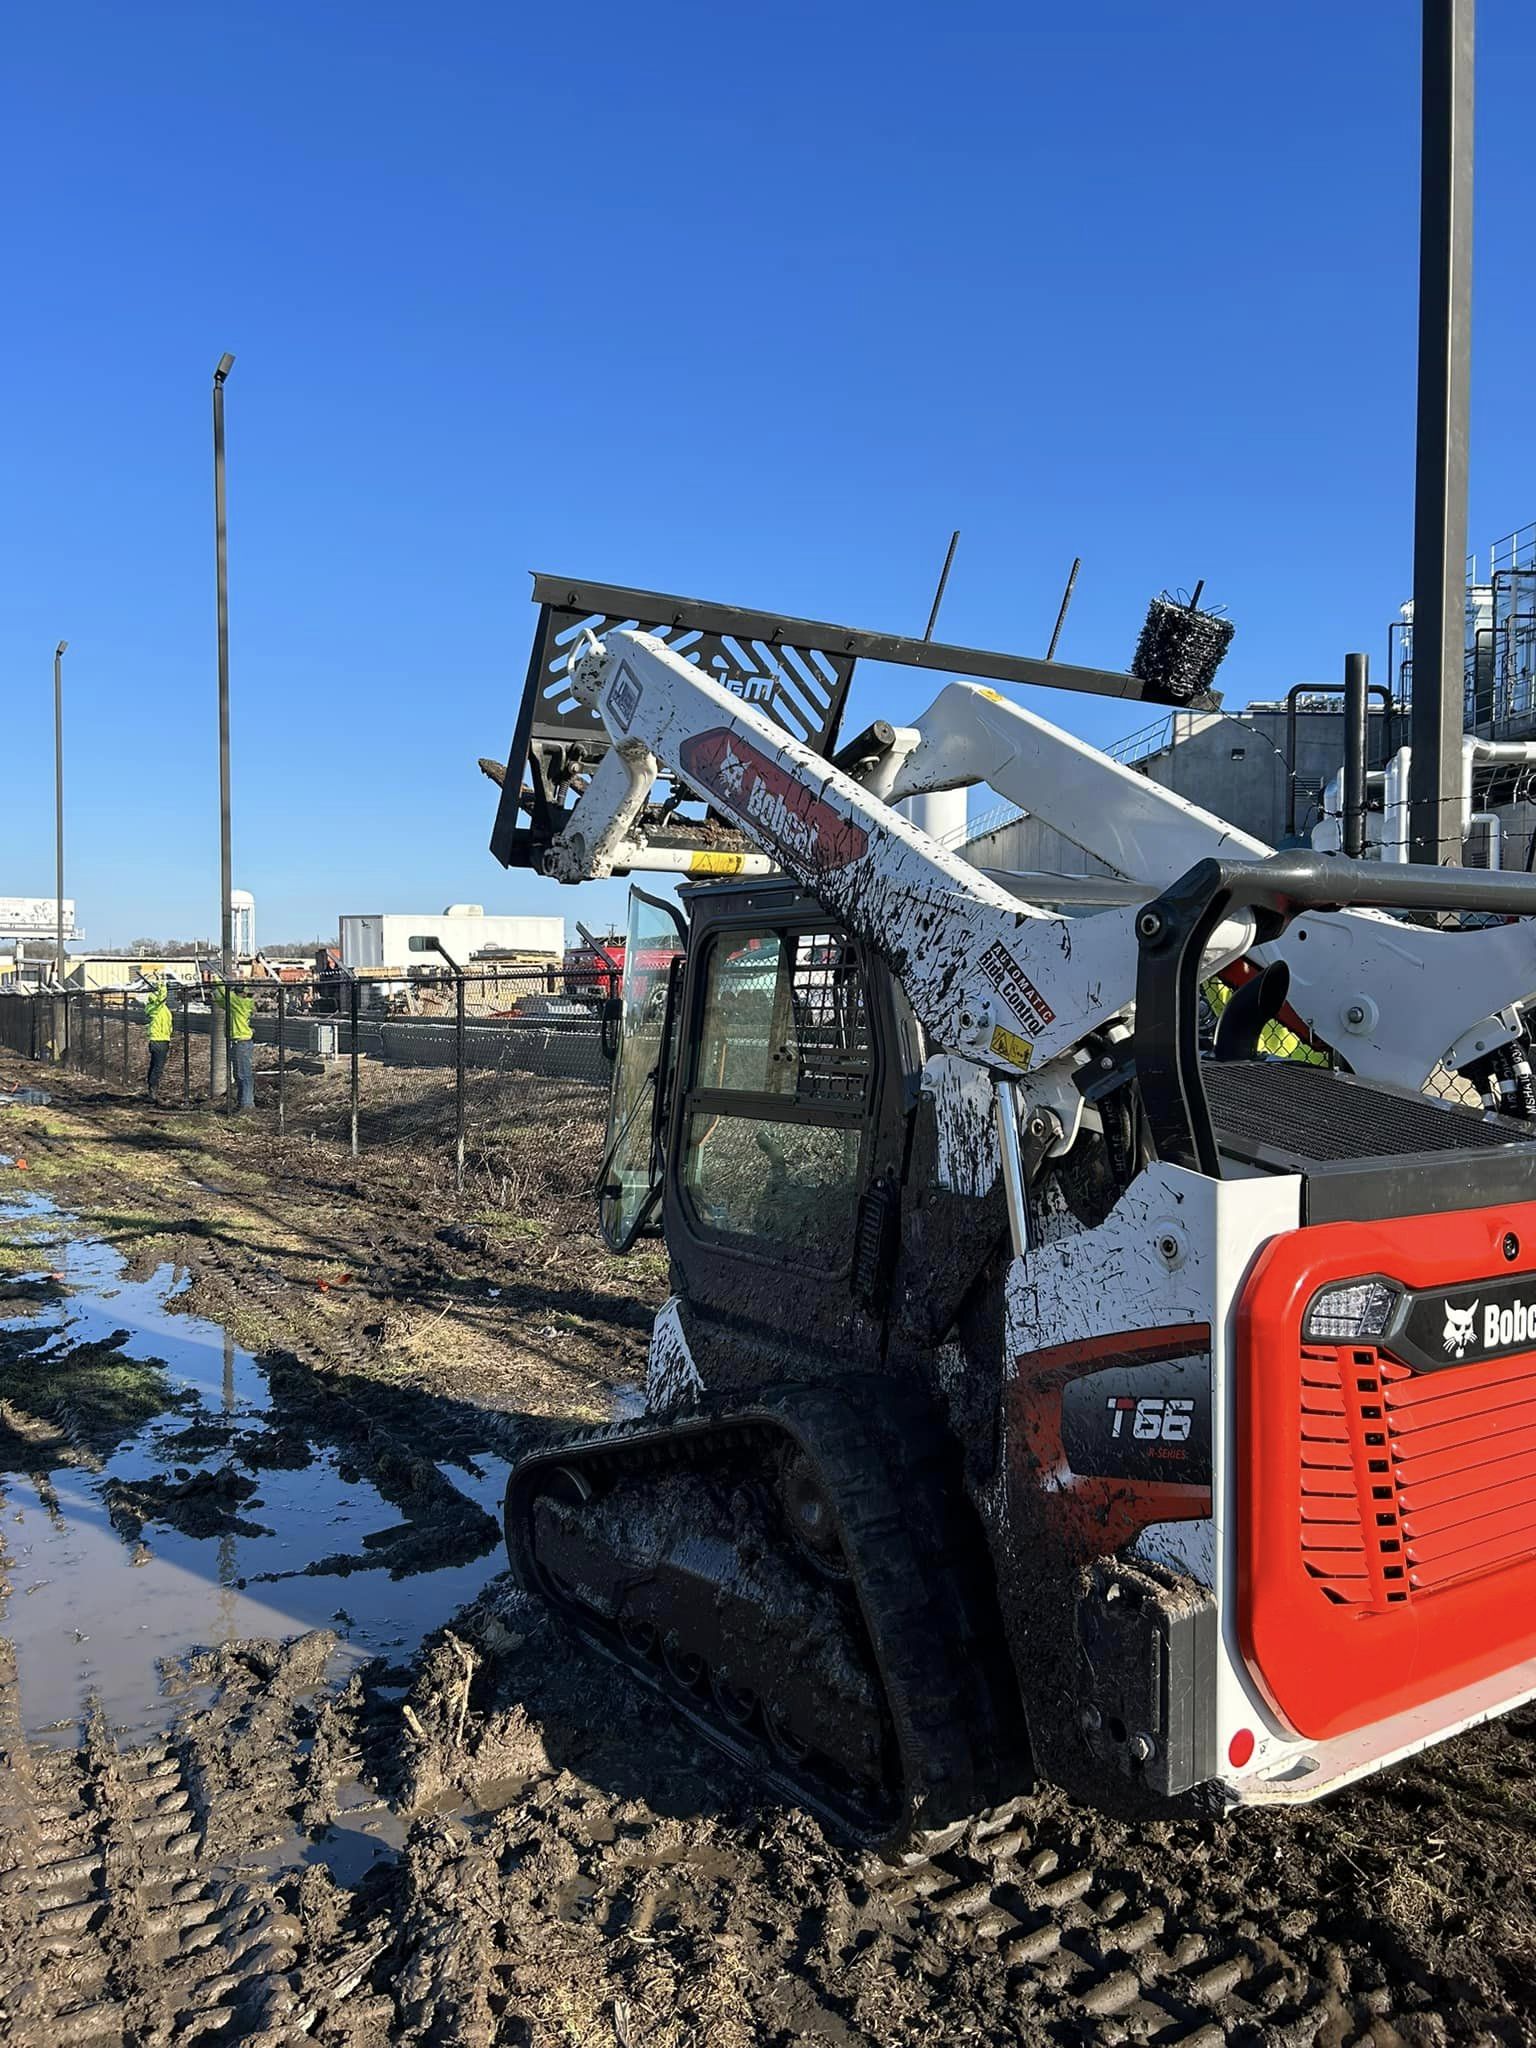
(1396, 1000)
(989, 976)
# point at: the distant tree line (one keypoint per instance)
(158, 949)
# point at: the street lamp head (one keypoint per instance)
(60, 649)
(224, 366)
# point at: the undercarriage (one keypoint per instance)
(802, 1586)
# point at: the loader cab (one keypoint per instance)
(759, 1111)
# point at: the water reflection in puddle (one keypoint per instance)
(172, 1402)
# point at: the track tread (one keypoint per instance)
(909, 1583)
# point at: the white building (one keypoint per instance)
(381, 939)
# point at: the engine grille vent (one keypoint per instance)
(1412, 1481)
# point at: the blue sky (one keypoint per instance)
(750, 303)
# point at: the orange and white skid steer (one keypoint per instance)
(1044, 1390)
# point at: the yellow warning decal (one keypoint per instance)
(715, 863)
(983, 691)
(1017, 1051)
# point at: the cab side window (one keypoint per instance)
(780, 1087)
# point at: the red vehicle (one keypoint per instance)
(593, 970)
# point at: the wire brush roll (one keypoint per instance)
(1180, 649)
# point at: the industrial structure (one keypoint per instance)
(1276, 767)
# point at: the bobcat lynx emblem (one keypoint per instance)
(1460, 1329)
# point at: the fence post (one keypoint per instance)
(282, 1063)
(458, 1081)
(186, 1050)
(125, 1040)
(353, 1005)
(215, 1039)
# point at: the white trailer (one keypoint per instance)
(380, 940)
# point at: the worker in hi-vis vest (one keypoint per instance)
(159, 1022)
(237, 1010)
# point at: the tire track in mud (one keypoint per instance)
(117, 1925)
(122, 1916)
(577, 1868)
(543, 1898)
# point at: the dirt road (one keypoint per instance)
(258, 1397)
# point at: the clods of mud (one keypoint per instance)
(163, 1490)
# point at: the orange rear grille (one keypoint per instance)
(1410, 1481)
(1350, 1535)
(1386, 1517)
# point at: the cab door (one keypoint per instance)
(775, 1145)
(630, 1178)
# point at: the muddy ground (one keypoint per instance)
(484, 1833)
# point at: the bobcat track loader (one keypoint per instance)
(1041, 1393)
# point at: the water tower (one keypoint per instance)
(242, 915)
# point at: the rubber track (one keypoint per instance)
(915, 1606)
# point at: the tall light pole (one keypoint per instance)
(1437, 714)
(226, 875)
(58, 807)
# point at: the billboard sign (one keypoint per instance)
(34, 917)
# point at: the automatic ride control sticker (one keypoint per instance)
(1015, 986)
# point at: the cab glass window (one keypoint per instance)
(780, 1087)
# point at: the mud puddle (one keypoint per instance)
(162, 1490)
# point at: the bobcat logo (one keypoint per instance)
(1460, 1330)
(731, 771)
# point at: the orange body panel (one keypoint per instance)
(1386, 1516)
(1095, 1516)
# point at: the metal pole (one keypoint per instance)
(282, 1063)
(221, 565)
(58, 805)
(1066, 599)
(938, 595)
(458, 1081)
(1357, 669)
(1440, 486)
(354, 1010)
(186, 1051)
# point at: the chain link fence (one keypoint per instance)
(504, 1074)
(1282, 1040)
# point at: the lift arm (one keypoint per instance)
(1395, 1000)
(989, 976)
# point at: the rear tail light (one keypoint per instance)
(1350, 1311)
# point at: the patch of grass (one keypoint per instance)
(510, 1225)
(101, 1393)
(30, 1243)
